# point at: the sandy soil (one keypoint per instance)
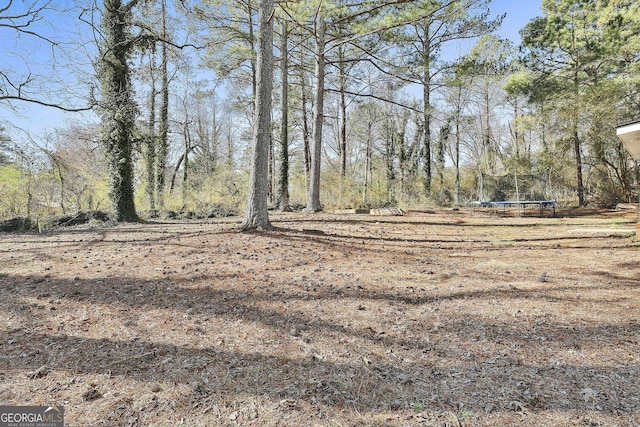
(438, 318)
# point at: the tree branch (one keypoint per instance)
(45, 104)
(387, 28)
(364, 95)
(373, 9)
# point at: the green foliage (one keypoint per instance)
(579, 53)
(231, 41)
(417, 406)
(608, 192)
(297, 183)
(491, 56)
(442, 191)
(519, 83)
(349, 192)
(70, 176)
(12, 195)
(222, 191)
(339, 193)
(227, 188)
(9, 174)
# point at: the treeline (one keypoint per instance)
(372, 105)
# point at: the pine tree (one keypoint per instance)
(257, 214)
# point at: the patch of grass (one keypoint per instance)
(466, 415)
(417, 406)
(621, 221)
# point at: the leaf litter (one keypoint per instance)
(433, 318)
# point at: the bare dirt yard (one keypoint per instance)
(436, 318)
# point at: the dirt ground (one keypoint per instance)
(436, 318)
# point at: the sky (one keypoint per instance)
(54, 70)
(519, 13)
(40, 119)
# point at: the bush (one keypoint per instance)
(13, 200)
(76, 219)
(16, 224)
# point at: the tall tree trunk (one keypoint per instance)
(403, 158)
(257, 214)
(342, 118)
(576, 139)
(150, 142)
(443, 140)
(415, 151)
(486, 132)
(163, 137)
(252, 38)
(230, 149)
(118, 109)
(29, 193)
(427, 137)
(391, 141)
(313, 196)
(271, 172)
(367, 159)
(426, 98)
(185, 166)
(576, 147)
(212, 161)
(283, 178)
(457, 149)
(636, 170)
(305, 122)
(176, 169)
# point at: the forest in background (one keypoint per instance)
(372, 103)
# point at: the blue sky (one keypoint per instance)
(39, 119)
(55, 70)
(519, 13)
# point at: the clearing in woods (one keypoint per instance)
(433, 318)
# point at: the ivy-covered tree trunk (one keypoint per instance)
(487, 147)
(443, 142)
(117, 109)
(150, 140)
(392, 139)
(163, 136)
(257, 215)
(414, 152)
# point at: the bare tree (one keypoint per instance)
(26, 19)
